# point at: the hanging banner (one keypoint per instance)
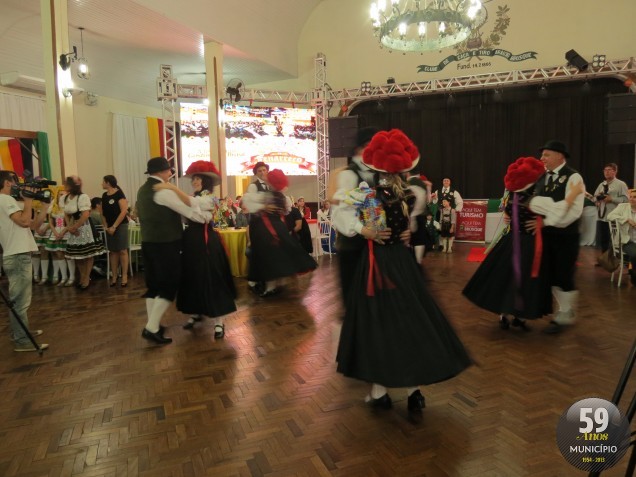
(528, 55)
(471, 221)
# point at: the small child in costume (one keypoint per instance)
(448, 219)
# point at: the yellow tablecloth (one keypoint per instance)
(235, 241)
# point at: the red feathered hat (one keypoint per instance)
(204, 168)
(392, 152)
(277, 179)
(522, 173)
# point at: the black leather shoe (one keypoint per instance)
(521, 324)
(553, 328)
(156, 337)
(190, 323)
(416, 401)
(504, 324)
(219, 332)
(383, 402)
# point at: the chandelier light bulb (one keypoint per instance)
(416, 26)
(374, 12)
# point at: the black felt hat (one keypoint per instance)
(157, 164)
(557, 146)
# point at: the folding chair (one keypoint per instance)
(324, 232)
(134, 245)
(103, 237)
(617, 249)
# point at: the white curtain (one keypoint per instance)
(22, 112)
(131, 151)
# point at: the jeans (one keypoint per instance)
(19, 272)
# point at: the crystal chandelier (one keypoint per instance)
(421, 25)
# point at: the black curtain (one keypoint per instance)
(474, 138)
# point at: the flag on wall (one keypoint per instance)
(155, 137)
(17, 155)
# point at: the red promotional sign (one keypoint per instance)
(471, 221)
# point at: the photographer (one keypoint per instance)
(608, 195)
(18, 243)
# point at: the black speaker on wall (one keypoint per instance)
(343, 133)
(621, 119)
(576, 60)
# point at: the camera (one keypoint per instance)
(601, 196)
(19, 189)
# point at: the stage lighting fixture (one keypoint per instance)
(380, 106)
(411, 105)
(497, 96)
(598, 61)
(450, 101)
(543, 91)
(576, 60)
(67, 58)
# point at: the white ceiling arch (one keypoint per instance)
(125, 41)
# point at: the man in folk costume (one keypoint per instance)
(560, 230)
(252, 203)
(161, 230)
(456, 203)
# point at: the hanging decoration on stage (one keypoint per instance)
(472, 52)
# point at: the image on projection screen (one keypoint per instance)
(283, 138)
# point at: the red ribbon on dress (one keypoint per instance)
(538, 248)
(375, 275)
(270, 228)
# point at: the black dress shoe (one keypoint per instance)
(383, 402)
(517, 323)
(156, 337)
(416, 401)
(504, 324)
(190, 323)
(219, 332)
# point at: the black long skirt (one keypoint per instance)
(274, 252)
(493, 285)
(398, 337)
(206, 287)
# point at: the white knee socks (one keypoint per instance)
(419, 252)
(71, 269)
(155, 312)
(377, 391)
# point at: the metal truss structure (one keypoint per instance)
(322, 97)
(169, 115)
(283, 97)
(320, 100)
(616, 68)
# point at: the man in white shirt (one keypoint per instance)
(161, 230)
(607, 196)
(450, 194)
(17, 244)
(560, 230)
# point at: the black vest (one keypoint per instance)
(449, 196)
(159, 224)
(259, 186)
(557, 192)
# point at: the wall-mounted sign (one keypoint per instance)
(472, 52)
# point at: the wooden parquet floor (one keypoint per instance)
(266, 400)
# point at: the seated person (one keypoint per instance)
(625, 215)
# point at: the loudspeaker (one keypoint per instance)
(576, 60)
(621, 119)
(342, 135)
